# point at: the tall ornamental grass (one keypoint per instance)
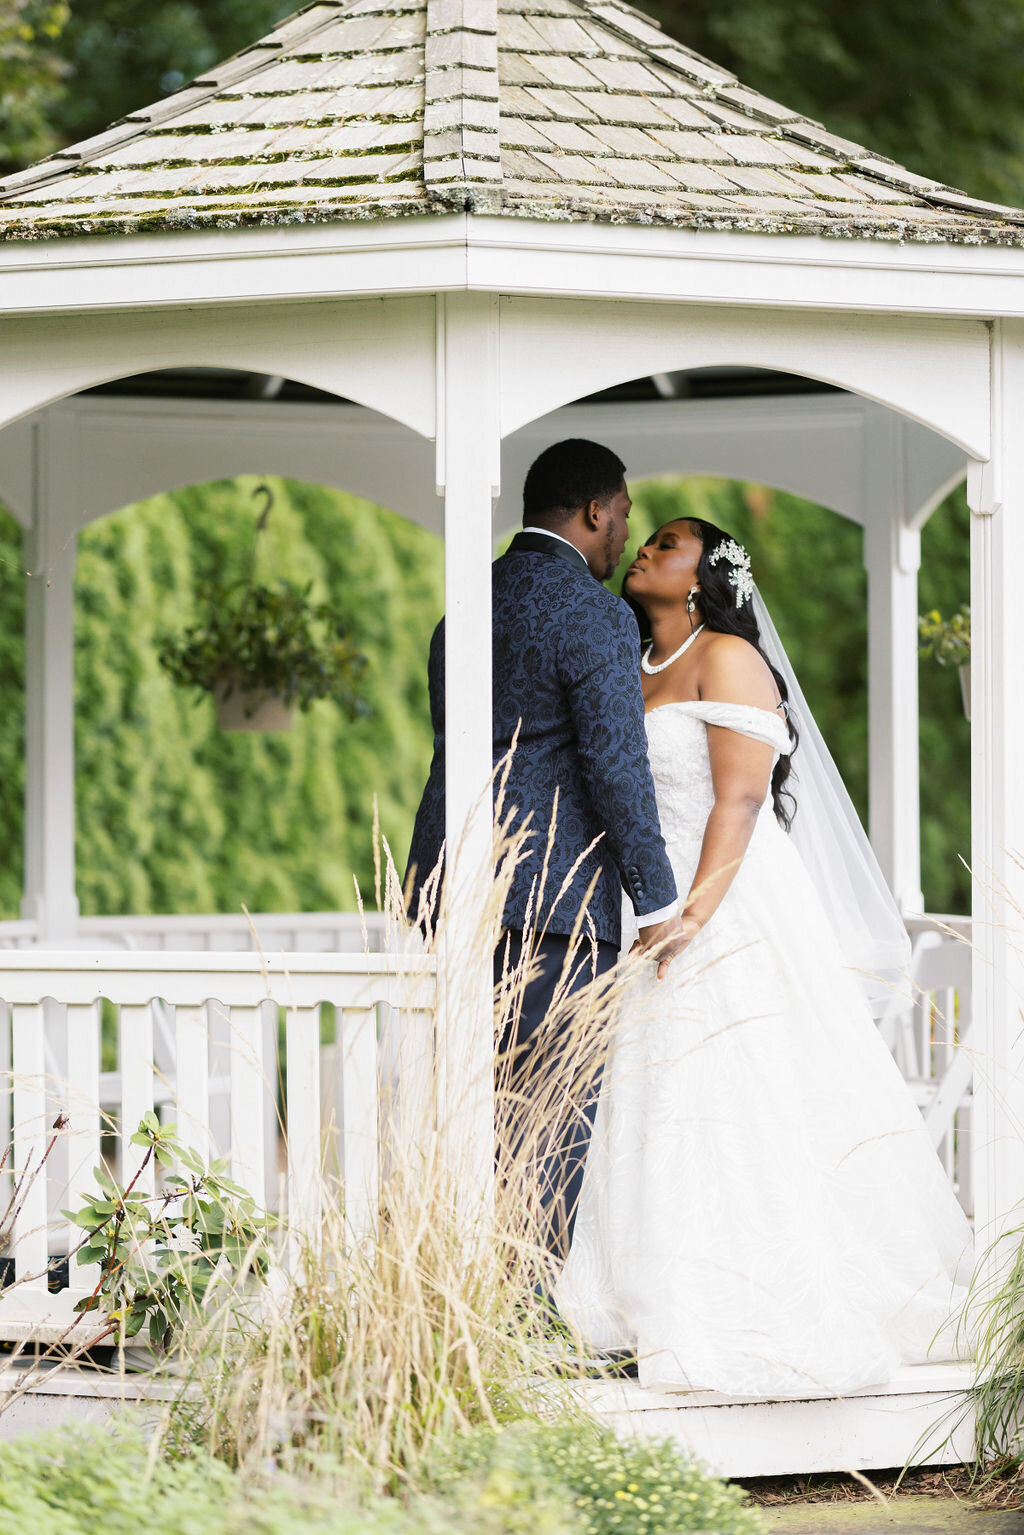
(418, 1366)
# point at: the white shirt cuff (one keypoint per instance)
(662, 915)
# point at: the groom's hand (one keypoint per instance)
(664, 940)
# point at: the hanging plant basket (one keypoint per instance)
(259, 711)
(261, 651)
(948, 641)
(965, 688)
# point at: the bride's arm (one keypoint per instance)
(741, 770)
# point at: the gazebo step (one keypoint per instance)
(50, 1397)
(910, 1420)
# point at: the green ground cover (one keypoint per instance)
(530, 1480)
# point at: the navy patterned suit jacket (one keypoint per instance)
(566, 671)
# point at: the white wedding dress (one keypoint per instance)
(762, 1213)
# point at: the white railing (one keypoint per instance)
(195, 1035)
(21, 934)
(931, 1040)
(305, 932)
(222, 1011)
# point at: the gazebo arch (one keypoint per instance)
(468, 219)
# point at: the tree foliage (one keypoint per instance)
(31, 73)
(935, 84)
(124, 54)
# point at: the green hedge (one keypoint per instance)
(175, 816)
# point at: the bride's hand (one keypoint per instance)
(664, 940)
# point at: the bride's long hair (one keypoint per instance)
(722, 616)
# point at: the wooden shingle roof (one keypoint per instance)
(566, 109)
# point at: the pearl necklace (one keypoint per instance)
(652, 671)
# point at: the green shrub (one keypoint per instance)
(88, 1480)
(632, 1487)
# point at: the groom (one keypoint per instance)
(567, 677)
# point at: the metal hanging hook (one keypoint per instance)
(263, 490)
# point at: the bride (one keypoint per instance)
(762, 1213)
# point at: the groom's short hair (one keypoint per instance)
(568, 476)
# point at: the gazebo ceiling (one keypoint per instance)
(713, 383)
(573, 109)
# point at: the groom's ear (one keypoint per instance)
(592, 514)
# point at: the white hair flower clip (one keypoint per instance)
(740, 578)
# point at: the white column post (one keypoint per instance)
(468, 464)
(996, 497)
(50, 551)
(892, 557)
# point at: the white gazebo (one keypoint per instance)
(400, 253)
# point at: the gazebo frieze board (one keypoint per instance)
(473, 252)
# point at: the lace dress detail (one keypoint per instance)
(763, 1213)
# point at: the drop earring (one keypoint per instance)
(690, 604)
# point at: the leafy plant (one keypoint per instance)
(272, 640)
(159, 1254)
(948, 640)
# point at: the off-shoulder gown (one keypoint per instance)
(762, 1213)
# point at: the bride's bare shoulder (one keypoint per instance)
(733, 671)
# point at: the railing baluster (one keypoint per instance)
(273, 1182)
(302, 1036)
(135, 1025)
(83, 1104)
(6, 1087)
(359, 1132)
(31, 1133)
(192, 1078)
(218, 1029)
(413, 1117)
(247, 1089)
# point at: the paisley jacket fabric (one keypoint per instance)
(566, 672)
